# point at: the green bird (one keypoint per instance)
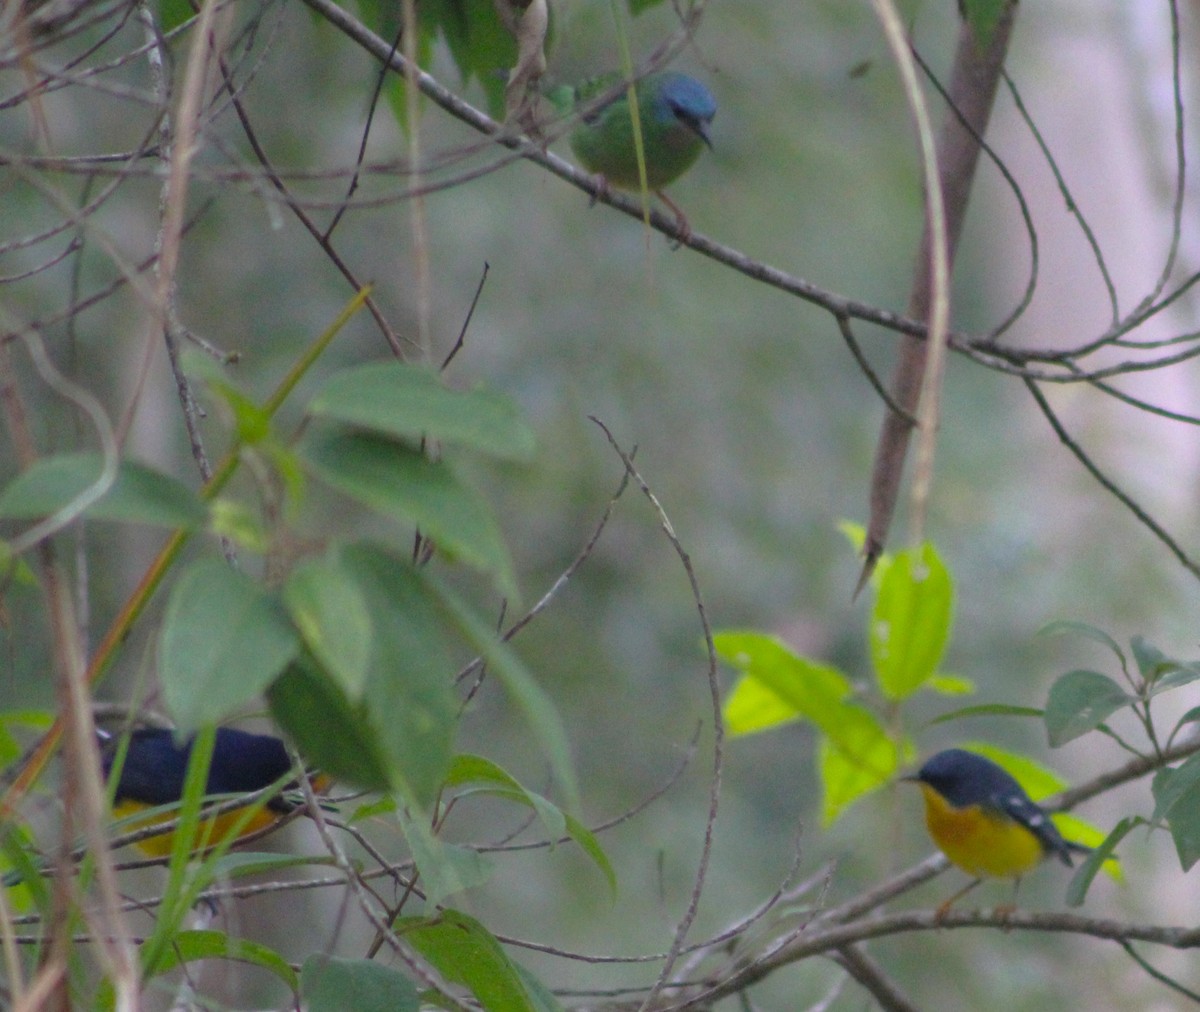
(674, 112)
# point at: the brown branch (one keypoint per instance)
(870, 975)
(973, 85)
(834, 939)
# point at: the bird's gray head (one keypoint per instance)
(966, 778)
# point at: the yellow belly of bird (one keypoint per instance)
(209, 833)
(978, 841)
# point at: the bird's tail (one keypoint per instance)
(1070, 847)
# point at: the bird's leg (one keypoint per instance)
(944, 908)
(1006, 910)
(682, 225)
(603, 189)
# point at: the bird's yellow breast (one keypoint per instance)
(209, 833)
(979, 841)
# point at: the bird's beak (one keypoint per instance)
(702, 130)
(911, 778)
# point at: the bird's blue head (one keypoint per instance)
(966, 778)
(689, 102)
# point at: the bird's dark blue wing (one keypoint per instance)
(1019, 808)
(156, 765)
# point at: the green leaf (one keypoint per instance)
(190, 946)
(173, 14)
(910, 622)
(25, 881)
(1183, 674)
(539, 994)
(803, 688)
(1152, 663)
(637, 7)
(855, 533)
(240, 524)
(539, 711)
(446, 869)
(476, 769)
(750, 707)
(252, 421)
(1174, 783)
(1177, 798)
(466, 953)
(224, 639)
(332, 615)
(865, 760)
(409, 693)
(1100, 857)
(1190, 717)
(331, 733)
(409, 402)
(983, 16)
(400, 735)
(951, 685)
(400, 483)
(1087, 631)
(479, 44)
(334, 985)
(10, 748)
(988, 710)
(1079, 702)
(857, 755)
(237, 864)
(138, 495)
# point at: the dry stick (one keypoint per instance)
(938, 307)
(1123, 497)
(836, 937)
(173, 200)
(293, 204)
(417, 218)
(870, 975)
(714, 792)
(83, 784)
(973, 86)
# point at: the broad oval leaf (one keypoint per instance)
(409, 696)
(224, 640)
(189, 946)
(401, 483)
(910, 623)
(803, 688)
(1084, 629)
(410, 402)
(327, 728)
(446, 869)
(751, 706)
(139, 494)
(399, 733)
(1079, 702)
(328, 984)
(1177, 798)
(466, 953)
(864, 759)
(332, 615)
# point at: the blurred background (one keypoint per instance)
(753, 426)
